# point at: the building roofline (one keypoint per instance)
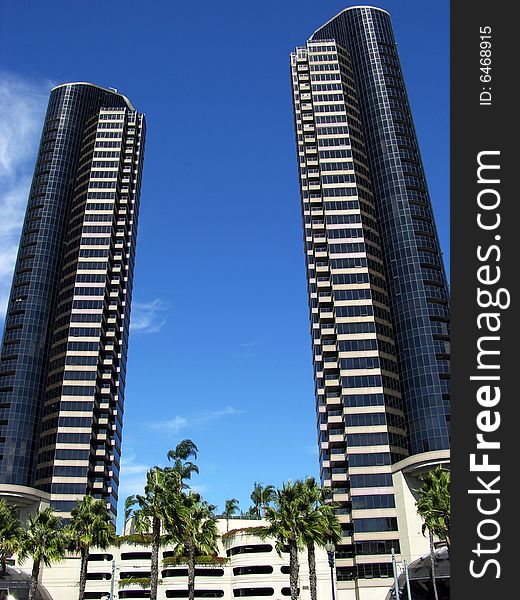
(345, 10)
(416, 464)
(99, 87)
(23, 495)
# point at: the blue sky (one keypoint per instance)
(220, 346)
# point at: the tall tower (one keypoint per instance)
(64, 348)
(378, 293)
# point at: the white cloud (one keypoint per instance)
(148, 317)
(248, 344)
(132, 476)
(173, 425)
(312, 449)
(218, 414)
(200, 488)
(22, 110)
(179, 423)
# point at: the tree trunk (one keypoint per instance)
(3, 562)
(448, 538)
(34, 580)
(154, 565)
(191, 573)
(432, 563)
(311, 558)
(294, 569)
(83, 572)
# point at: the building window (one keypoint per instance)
(198, 593)
(253, 570)
(253, 548)
(243, 592)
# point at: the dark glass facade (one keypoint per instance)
(61, 387)
(413, 260)
(378, 294)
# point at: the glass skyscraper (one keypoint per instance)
(64, 348)
(378, 293)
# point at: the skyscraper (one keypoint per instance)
(64, 348)
(378, 293)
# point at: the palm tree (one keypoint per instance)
(90, 526)
(433, 505)
(193, 532)
(318, 524)
(161, 493)
(230, 510)
(44, 541)
(162, 500)
(181, 465)
(285, 527)
(250, 512)
(129, 507)
(261, 497)
(10, 532)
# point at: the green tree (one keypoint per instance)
(163, 499)
(193, 532)
(180, 457)
(318, 524)
(284, 519)
(44, 541)
(129, 507)
(433, 505)
(230, 509)
(250, 512)
(10, 532)
(161, 493)
(261, 497)
(90, 526)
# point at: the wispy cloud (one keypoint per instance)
(133, 475)
(179, 423)
(218, 414)
(312, 449)
(149, 317)
(173, 425)
(200, 488)
(22, 108)
(250, 348)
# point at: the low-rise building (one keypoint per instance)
(246, 567)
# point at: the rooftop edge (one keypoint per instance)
(99, 87)
(345, 10)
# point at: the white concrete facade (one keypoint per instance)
(405, 475)
(28, 499)
(246, 564)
